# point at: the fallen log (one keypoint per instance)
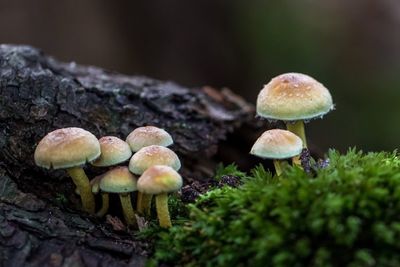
(40, 224)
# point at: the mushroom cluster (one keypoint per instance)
(293, 98)
(152, 168)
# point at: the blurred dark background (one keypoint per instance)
(352, 47)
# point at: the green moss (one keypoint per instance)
(230, 169)
(348, 215)
(176, 207)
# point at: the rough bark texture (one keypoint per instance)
(40, 224)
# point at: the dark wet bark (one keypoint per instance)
(40, 224)
(36, 233)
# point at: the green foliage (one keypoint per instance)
(348, 215)
(230, 169)
(177, 208)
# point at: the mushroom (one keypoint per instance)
(147, 136)
(95, 185)
(113, 151)
(294, 98)
(121, 181)
(160, 180)
(70, 148)
(277, 144)
(147, 157)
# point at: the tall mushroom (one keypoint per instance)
(277, 144)
(160, 180)
(147, 136)
(121, 181)
(294, 98)
(147, 157)
(113, 151)
(70, 149)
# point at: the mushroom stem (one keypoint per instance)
(127, 209)
(162, 210)
(82, 183)
(104, 205)
(139, 205)
(298, 129)
(146, 204)
(278, 167)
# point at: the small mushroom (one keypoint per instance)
(94, 184)
(294, 98)
(277, 144)
(160, 180)
(147, 136)
(149, 156)
(113, 151)
(70, 148)
(121, 181)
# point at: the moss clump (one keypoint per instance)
(230, 169)
(348, 215)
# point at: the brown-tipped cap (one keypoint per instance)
(113, 151)
(66, 148)
(153, 155)
(293, 96)
(118, 180)
(147, 136)
(159, 179)
(277, 144)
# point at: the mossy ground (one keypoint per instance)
(347, 214)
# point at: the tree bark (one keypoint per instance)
(39, 221)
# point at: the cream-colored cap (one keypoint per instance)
(159, 179)
(118, 180)
(113, 151)
(293, 96)
(153, 155)
(147, 136)
(277, 144)
(66, 148)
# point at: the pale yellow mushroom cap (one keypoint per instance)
(66, 148)
(113, 151)
(147, 136)
(159, 179)
(153, 155)
(293, 96)
(277, 144)
(118, 180)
